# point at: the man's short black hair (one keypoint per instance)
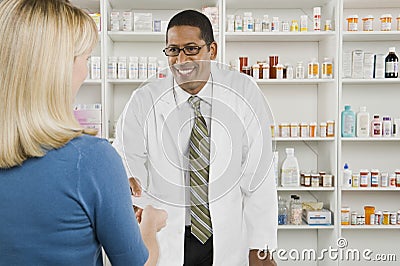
(195, 19)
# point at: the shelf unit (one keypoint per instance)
(306, 100)
(378, 95)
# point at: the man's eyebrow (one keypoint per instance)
(186, 44)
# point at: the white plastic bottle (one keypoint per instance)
(290, 173)
(347, 176)
(363, 123)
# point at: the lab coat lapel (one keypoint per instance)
(220, 150)
(170, 126)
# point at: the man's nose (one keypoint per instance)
(181, 57)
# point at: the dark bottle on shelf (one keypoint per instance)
(392, 64)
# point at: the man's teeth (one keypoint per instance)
(185, 71)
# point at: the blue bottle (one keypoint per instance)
(348, 122)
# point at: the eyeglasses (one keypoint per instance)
(187, 50)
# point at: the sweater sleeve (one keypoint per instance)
(104, 193)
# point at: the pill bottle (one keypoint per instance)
(322, 129)
(256, 71)
(355, 180)
(265, 70)
(317, 18)
(397, 175)
(112, 67)
(352, 23)
(327, 68)
(375, 177)
(353, 218)
(284, 130)
(345, 216)
(398, 23)
(304, 130)
(386, 22)
(392, 218)
(384, 179)
(246, 70)
(378, 217)
(386, 217)
(279, 71)
(133, 67)
(330, 128)
(313, 130)
(230, 23)
(243, 61)
(328, 25)
(368, 23)
(313, 69)
(294, 27)
(272, 131)
(392, 180)
(299, 70)
(121, 68)
(364, 178)
(398, 217)
(368, 210)
(294, 130)
(303, 23)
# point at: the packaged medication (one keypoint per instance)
(95, 67)
(368, 23)
(133, 67)
(352, 23)
(121, 67)
(386, 22)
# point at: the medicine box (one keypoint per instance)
(143, 22)
(319, 217)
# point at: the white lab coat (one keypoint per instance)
(242, 193)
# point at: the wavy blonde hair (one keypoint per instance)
(40, 40)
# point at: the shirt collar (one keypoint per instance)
(204, 94)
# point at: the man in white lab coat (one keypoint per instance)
(162, 133)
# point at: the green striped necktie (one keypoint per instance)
(199, 161)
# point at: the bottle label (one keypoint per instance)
(390, 67)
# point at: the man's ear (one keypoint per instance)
(213, 50)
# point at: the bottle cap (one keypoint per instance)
(392, 49)
(363, 109)
(290, 150)
(346, 166)
(386, 16)
(352, 16)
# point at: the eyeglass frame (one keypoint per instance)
(183, 49)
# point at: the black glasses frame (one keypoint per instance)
(184, 50)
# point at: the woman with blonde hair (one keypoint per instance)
(64, 194)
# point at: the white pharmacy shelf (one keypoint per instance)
(127, 81)
(134, 36)
(305, 189)
(304, 227)
(130, 36)
(370, 139)
(293, 81)
(362, 36)
(234, 4)
(303, 139)
(371, 189)
(371, 4)
(369, 227)
(92, 82)
(308, 36)
(161, 4)
(351, 81)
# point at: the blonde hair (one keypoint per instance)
(40, 40)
